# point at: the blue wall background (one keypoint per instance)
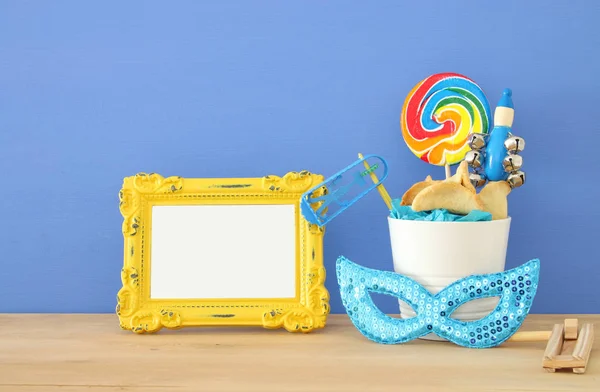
(93, 92)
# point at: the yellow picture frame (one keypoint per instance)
(141, 314)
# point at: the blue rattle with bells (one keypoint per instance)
(495, 156)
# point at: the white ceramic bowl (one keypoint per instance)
(435, 254)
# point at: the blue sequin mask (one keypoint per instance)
(516, 289)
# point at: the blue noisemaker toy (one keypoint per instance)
(330, 198)
(516, 288)
(495, 156)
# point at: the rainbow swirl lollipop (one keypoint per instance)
(439, 114)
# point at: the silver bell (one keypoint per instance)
(514, 144)
(516, 179)
(473, 158)
(476, 141)
(477, 180)
(512, 162)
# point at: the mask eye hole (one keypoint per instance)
(388, 304)
(477, 299)
(406, 310)
(475, 309)
(384, 302)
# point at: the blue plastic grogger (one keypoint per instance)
(321, 204)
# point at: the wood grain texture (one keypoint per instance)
(531, 336)
(90, 352)
(571, 329)
(555, 343)
(584, 346)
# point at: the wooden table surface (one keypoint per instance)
(91, 352)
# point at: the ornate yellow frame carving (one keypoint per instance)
(140, 314)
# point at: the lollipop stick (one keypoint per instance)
(448, 172)
(382, 191)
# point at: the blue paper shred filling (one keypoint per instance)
(439, 215)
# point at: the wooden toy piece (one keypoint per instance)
(380, 188)
(583, 348)
(567, 348)
(571, 327)
(531, 336)
(554, 346)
